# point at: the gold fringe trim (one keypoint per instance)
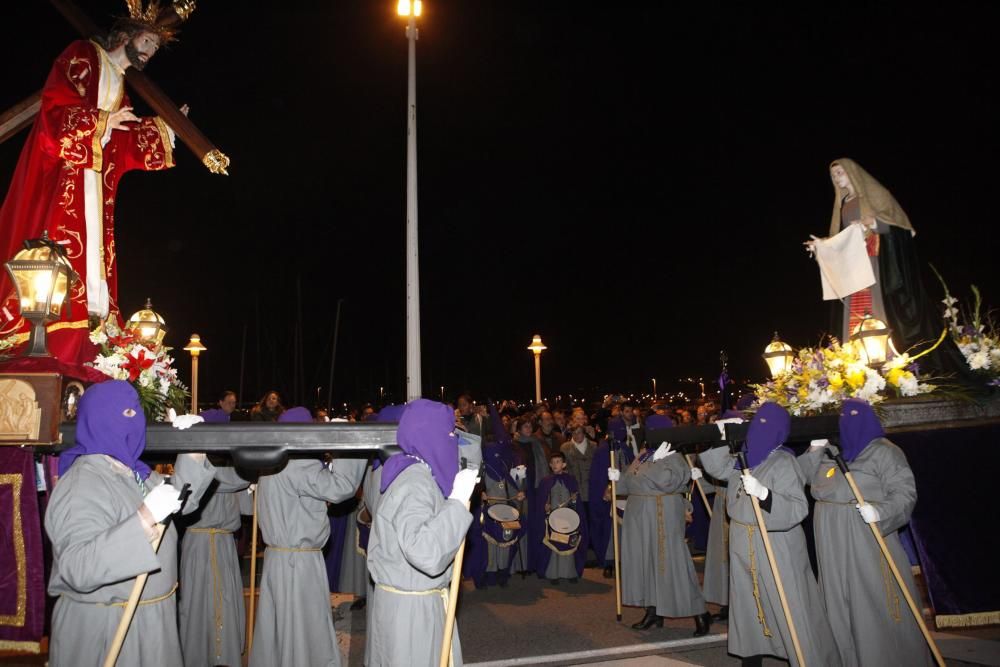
(967, 620)
(21, 647)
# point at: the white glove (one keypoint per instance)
(663, 451)
(721, 423)
(819, 443)
(162, 501)
(519, 472)
(614, 474)
(465, 482)
(696, 473)
(186, 421)
(869, 513)
(754, 488)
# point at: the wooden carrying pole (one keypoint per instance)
(140, 583)
(701, 490)
(892, 564)
(774, 569)
(253, 574)
(456, 583)
(449, 620)
(614, 536)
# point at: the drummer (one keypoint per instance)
(499, 522)
(560, 553)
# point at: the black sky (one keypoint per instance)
(631, 181)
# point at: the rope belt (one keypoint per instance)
(142, 603)
(210, 531)
(834, 502)
(442, 592)
(661, 534)
(217, 592)
(293, 549)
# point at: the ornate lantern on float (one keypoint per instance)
(778, 356)
(148, 325)
(873, 334)
(43, 277)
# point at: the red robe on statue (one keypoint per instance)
(67, 180)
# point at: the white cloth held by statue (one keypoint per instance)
(844, 265)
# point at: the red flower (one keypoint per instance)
(135, 365)
(124, 340)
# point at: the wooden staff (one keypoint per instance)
(614, 537)
(253, 574)
(888, 559)
(774, 567)
(140, 583)
(456, 582)
(701, 491)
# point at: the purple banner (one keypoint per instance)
(22, 580)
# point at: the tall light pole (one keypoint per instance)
(195, 347)
(537, 347)
(411, 10)
(654, 389)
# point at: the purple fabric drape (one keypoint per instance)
(22, 576)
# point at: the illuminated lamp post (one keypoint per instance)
(42, 276)
(537, 347)
(195, 347)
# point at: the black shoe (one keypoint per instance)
(502, 580)
(752, 661)
(554, 582)
(574, 580)
(702, 623)
(609, 572)
(723, 614)
(649, 620)
(359, 604)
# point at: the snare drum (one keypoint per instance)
(564, 523)
(508, 517)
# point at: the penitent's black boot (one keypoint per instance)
(702, 623)
(723, 614)
(649, 620)
(752, 661)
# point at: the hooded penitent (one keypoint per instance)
(768, 431)
(875, 201)
(425, 434)
(295, 415)
(109, 420)
(859, 425)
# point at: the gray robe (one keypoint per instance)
(498, 554)
(370, 495)
(756, 620)
(211, 609)
(657, 570)
(869, 616)
(99, 547)
(716, 582)
(353, 569)
(415, 537)
(294, 624)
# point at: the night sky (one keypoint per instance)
(631, 182)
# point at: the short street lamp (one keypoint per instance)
(195, 347)
(42, 276)
(537, 347)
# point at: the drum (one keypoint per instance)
(503, 513)
(564, 520)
